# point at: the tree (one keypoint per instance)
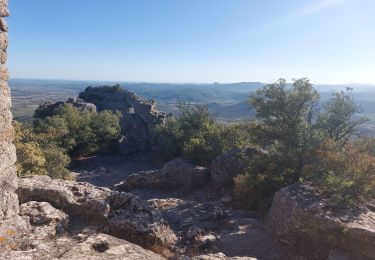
(337, 121)
(286, 114)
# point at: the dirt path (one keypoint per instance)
(106, 171)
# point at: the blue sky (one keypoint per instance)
(328, 41)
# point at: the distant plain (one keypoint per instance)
(228, 102)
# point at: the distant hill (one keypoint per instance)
(227, 101)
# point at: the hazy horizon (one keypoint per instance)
(187, 82)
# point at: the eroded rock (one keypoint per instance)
(178, 174)
(93, 247)
(140, 116)
(120, 214)
(49, 108)
(42, 213)
(304, 220)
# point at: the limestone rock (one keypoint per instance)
(193, 222)
(302, 218)
(49, 108)
(106, 247)
(10, 223)
(177, 173)
(228, 165)
(121, 214)
(93, 247)
(140, 116)
(42, 213)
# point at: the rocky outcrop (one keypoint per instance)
(50, 109)
(178, 173)
(120, 214)
(140, 116)
(10, 222)
(193, 222)
(42, 213)
(306, 222)
(228, 165)
(83, 247)
(102, 246)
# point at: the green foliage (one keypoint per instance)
(292, 129)
(344, 174)
(285, 114)
(336, 121)
(57, 162)
(47, 144)
(31, 159)
(80, 133)
(196, 136)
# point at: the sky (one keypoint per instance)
(328, 41)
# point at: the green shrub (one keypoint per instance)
(47, 145)
(346, 174)
(31, 160)
(57, 162)
(291, 126)
(195, 135)
(80, 133)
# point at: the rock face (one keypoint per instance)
(303, 219)
(49, 108)
(228, 165)
(140, 116)
(178, 173)
(9, 220)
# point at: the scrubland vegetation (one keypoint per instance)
(305, 141)
(47, 145)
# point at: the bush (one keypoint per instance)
(31, 160)
(291, 126)
(46, 145)
(79, 133)
(195, 135)
(344, 174)
(57, 162)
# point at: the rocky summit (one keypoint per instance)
(140, 115)
(177, 209)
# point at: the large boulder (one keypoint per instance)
(178, 173)
(76, 198)
(305, 221)
(228, 165)
(121, 214)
